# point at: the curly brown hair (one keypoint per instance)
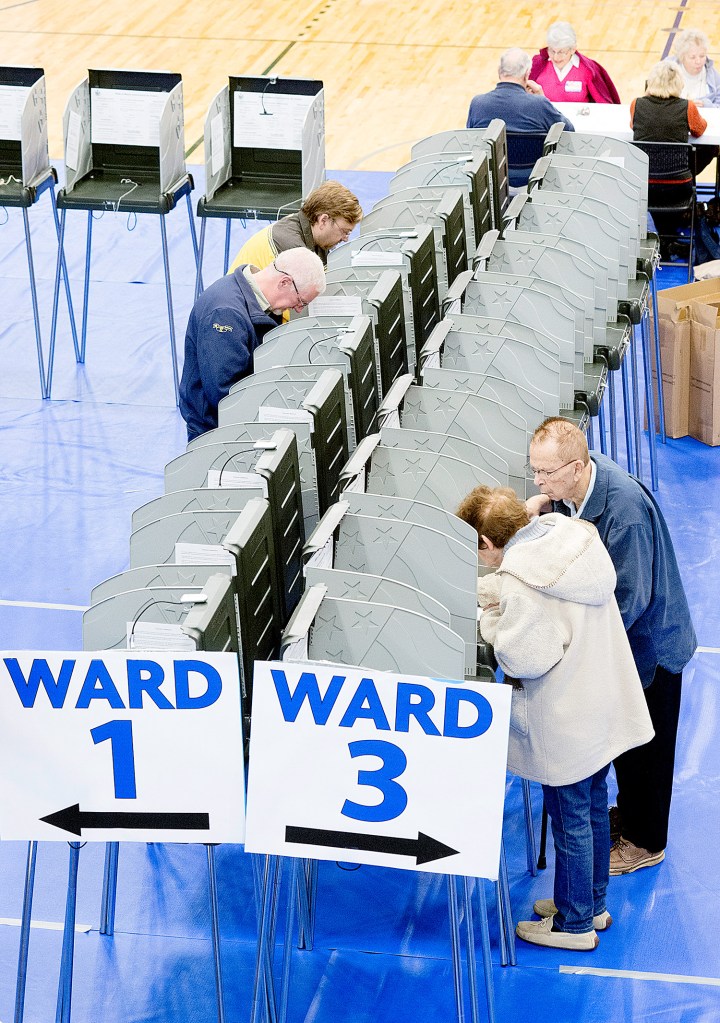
(334, 199)
(494, 512)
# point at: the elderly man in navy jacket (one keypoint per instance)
(654, 610)
(518, 102)
(230, 320)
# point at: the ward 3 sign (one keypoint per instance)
(373, 767)
(115, 746)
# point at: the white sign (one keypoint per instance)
(374, 767)
(12, 104)
(116, 746)
(126, 117)
(269, 120)
(336, 305)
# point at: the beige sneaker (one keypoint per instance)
(626, 857)
(540, 932)
(546, 908)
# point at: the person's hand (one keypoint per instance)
(699, 103)
(538, 504)
(534, 88)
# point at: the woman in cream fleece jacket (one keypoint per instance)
(551, 616)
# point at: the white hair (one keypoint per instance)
(685, 41)
(514, 63)
(560, 35)
(305, 268)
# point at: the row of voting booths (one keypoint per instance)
(317, 521)
(124, 147)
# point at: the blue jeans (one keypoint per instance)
(581, 833)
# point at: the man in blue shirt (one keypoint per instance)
(518, 102)
(654, 609)
(230, 320)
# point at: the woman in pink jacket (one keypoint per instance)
(565, 75)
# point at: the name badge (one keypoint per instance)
(573, 86)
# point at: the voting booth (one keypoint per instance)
(264, 151)
(25, 173)
(124, 153)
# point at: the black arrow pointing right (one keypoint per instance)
(424, 848)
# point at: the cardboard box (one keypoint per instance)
(699, 306)
(674, 333)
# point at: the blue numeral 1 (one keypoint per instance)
(123, 758)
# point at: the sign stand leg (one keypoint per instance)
(215, 926)
(64, 1000)
(529, 829)
(287, 942)
(25, 932)
(304, 912)
(109, 891)
(263, 1000)
(649, 399)
(470, 945)
(485, 944)
(507, 909)
(501, 924)
(171, 315)
(627, 410)
(613, 415)
(201, 249)
(456, 951)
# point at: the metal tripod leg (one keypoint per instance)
(109, 892)
(485, 944)
(215, 928)
(171, 316)
(649, 403)
(36, 309)
(25, 932)
(507, 910)
(64, 1000)
(658, 359)
(466, 901)
(456, 950)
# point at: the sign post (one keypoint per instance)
(396, 770)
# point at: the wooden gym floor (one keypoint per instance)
(393, 71)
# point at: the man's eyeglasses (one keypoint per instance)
(300, 300)
(345, 232)
(545, 474)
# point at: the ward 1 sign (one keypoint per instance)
(373, 767)
(112, 746)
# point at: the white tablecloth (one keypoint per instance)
(613, 119)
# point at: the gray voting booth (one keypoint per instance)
(351, 293)
(371, 634)
(264, 151)
(408, 552)
(470, 172)
(441, 208)
(25, 175)
(412, 252)
(317, 343)
(124, 152)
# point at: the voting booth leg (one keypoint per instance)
(64, 1000)
(109, 890)
(658, 359)
(66, 281)
(529, 829)
(201, 250)
(228, 227)
(627, 411)
(35, 307)
(193, 235)
(637, 426)
(649, 400)
(171, 315)
(25, 932)
(601, 427)
(590, 433)
(215, 927)
(612, 408)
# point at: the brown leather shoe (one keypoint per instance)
(626, 857)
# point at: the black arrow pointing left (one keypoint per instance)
(423, 848)
(73, 819)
